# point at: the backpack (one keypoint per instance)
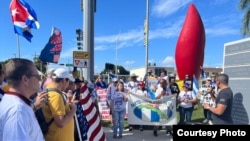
(41, 118)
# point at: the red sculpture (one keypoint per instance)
(189, 53)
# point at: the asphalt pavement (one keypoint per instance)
(137, 135)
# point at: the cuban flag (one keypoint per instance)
(195, 85)
(24, 18)
(52, 50)
(88, 121)
(203, 74)
(112, 76)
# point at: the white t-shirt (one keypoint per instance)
(160, 89)
(18, 121)
(186, 95)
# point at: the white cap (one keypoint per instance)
(62, 73)
(114, 79)
(208, 78)
(50, 71)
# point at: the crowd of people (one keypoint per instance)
(23, 91)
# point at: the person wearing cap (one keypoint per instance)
(133, 83)
(186, 98)
(141, 91)
(188, 81)
(62, 128)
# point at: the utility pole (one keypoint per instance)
(89, 7)
(146, 38)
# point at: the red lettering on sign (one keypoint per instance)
(77, 62)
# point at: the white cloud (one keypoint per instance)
(98, 48)
(163, 8)
(169, 61)
(128, 63)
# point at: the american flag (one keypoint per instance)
(87, 119)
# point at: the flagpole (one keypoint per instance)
(116, 54)
(146, 45)
(18, 46)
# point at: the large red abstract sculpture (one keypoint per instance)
(189, 53)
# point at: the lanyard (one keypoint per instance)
(26, 100)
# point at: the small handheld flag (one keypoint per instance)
(195, 85)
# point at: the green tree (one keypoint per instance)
(244, 5)
(122, 70)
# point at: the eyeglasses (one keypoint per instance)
(35, 75)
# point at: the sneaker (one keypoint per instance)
(130, 128)
(114, 136)
(205, 121)
(141, 129)
(210, 122)
(155, 133)
(120, 136)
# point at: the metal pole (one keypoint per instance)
(116, 55)
(18, 46)
(146, 45)
(88, 18)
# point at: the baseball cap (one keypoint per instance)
(62, 73)
(141, 83)
(114, 79)
(186, 85)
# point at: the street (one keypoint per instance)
(137, 135)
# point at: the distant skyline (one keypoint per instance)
(221, 18)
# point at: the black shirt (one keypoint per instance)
(174, 88)
(224, 97)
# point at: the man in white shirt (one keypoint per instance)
(17, 119)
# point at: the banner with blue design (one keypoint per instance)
(145, 111)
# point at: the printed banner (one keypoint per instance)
(145, 111)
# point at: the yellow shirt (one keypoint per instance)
(56, 107)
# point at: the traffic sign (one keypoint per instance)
(80, 55)
(69, 65)
(81, 63)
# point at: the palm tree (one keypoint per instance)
(245, 6)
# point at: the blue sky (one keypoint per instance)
(221, 18)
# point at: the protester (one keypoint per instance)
(224, 100)
(118, 104)
(110, 92)
(62, 128)
(209, 98)
(17, 118)
(162, 91)
(186, 98)
(99, 83)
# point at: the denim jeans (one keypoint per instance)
(119, 121)
(185, 112)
